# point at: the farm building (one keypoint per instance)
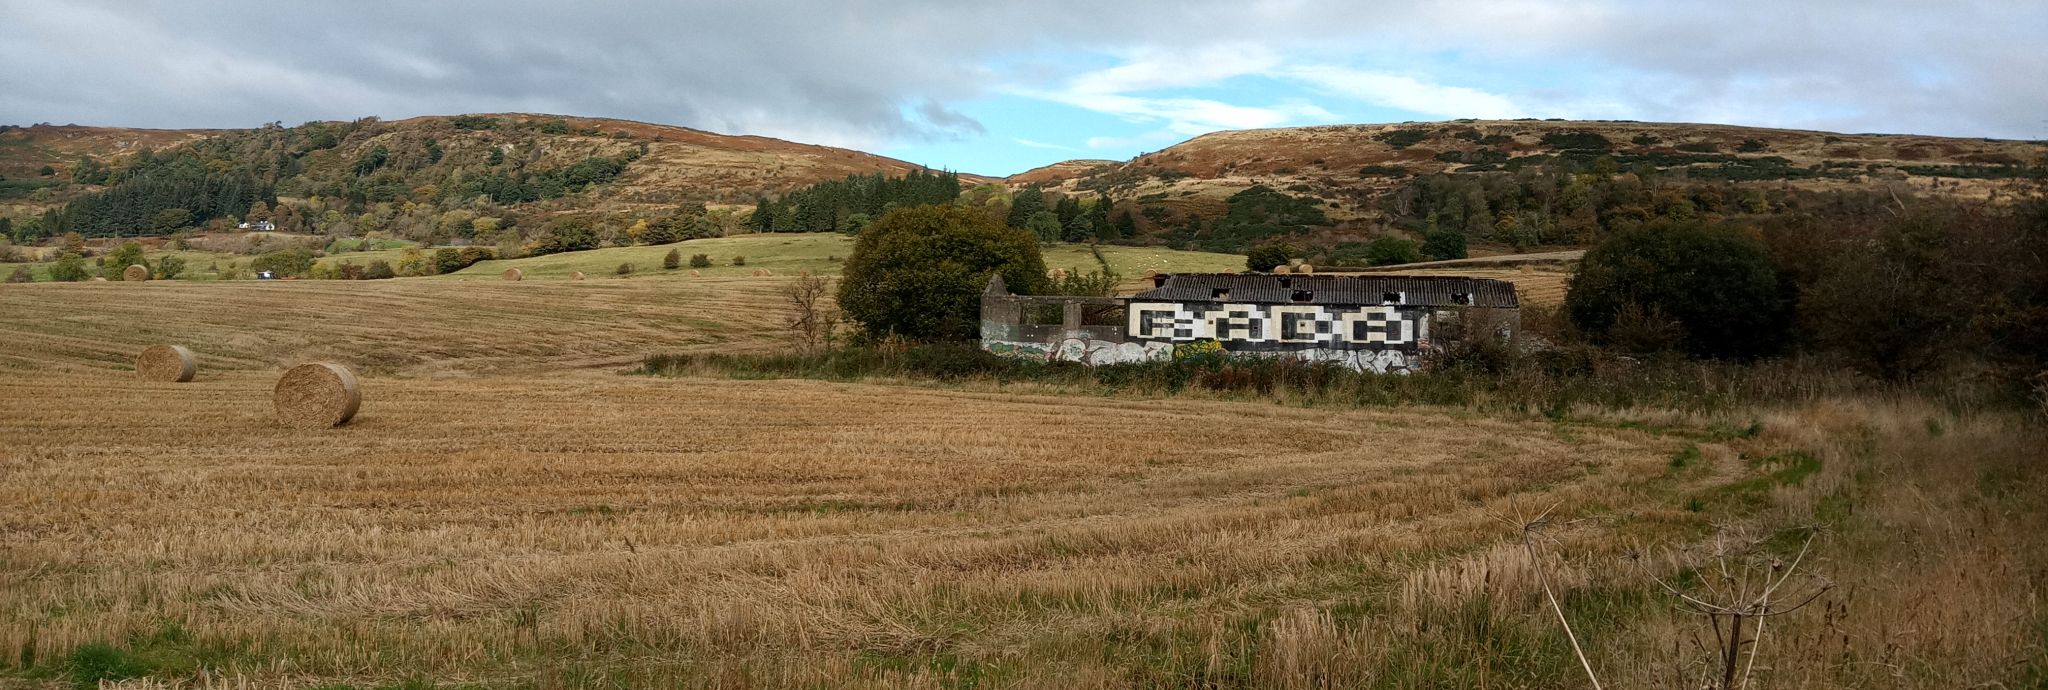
(1382, 323)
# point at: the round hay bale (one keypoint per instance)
(695, 274)
(166, 363)
(1283, 268)
(1304, 268)
(576, 276)
(1151, 273)
(512, 274)
(98, 279)
(135, 273)
(319, 395)
(758, 272)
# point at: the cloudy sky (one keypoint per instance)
(998, 87)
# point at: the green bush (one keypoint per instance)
(70, 268)
(566, 235)
(1389, 251)
(1719, 289)
(739, 261)
(672, 260)
(1265, 257)
(21, 274)
(624, 269)
(450, 259)
(168, 268)
(919, 272)
(700, 261)
(379, 270)
(285, 262)
(1444, 244)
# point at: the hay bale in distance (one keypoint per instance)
(98, 279)
(695, 274)
(576, 276)
(759, 272)
(166, 363)
(1283, 268)
(1151, 273)
(319, 395)
(135, 273)
(512, 274)
(1304, 268)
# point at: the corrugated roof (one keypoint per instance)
(1422, 291)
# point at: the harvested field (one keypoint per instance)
(385, 328)
(507, 511)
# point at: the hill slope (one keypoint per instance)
(1348, 169)
(430, 159)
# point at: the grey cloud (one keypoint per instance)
(869, 72)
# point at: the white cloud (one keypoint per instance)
(1405, 93)
(1042, 145)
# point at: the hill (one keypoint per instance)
(540, 163)
(1366, 179)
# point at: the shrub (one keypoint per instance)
(69, 268)
(1444, 244)
(625, 269)
(1720, 289)
(284, 262)
(450, 259)
(566, 235)
(21, 274)
(1402, 138)
(739, 261)
(700, 261)
(379, 270)
(1265, 257)
(919, 272)
(1389, 250)
(673, 260)
(168, 268)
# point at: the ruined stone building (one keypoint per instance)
(1382, 323)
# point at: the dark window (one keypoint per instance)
(1304, 296)
(1220, 293)
(1464, 298)
(1391, 298)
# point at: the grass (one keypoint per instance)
(508, 511)
(819, 253)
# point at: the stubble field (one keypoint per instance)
(508, 510)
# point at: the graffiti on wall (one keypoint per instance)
(1282, 327)
(1084, 350)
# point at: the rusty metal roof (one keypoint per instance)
(1422, 291)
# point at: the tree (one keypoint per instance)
(700, 261)
(378, 270)
(1267, 256)
(1023, 205)
(1720, 289)
(69, 268)
(673, 260)
(566, 235)
(170, 219)
(295, 262)
(1389, 251)
(919, 272)
(1045, 226)
(128, 254)
(168, 267)
(46, 171)
(1443, 244)
(1078, 230)
(1126, 226)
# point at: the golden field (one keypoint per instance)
(509, 510)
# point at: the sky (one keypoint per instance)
(1000, 87)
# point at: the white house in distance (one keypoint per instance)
(261, 226)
